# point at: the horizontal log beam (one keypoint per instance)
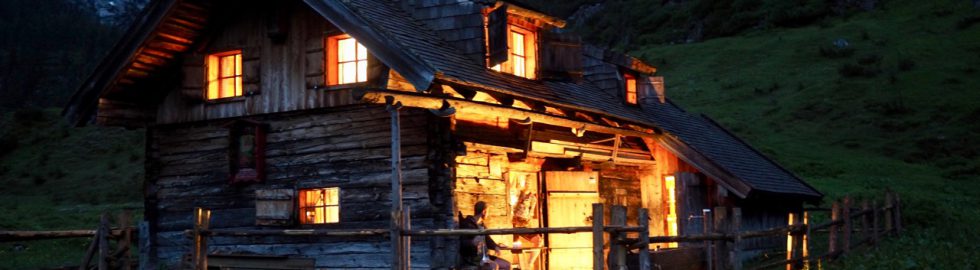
(10, 236)
(467, 232)
(309, 232)
(376, 96)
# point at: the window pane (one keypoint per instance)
(331, 214)
(519, 66)
(227, 66)
(238, 86)
(362, 71)
(348, 72)
(227, 87)
(361, 51)
(346, 50)
(518, 45)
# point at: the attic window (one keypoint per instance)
(511, 48)
(319, 205)
(346, 60)
(630, 88)
(224, 74)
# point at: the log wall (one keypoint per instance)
(345, 147)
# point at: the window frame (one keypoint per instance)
(530, 52)
(212, 63)
(631, 80)
(331, 63)
(300, 208)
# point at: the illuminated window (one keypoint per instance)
(346, 60)
(630, 88)
(521, 53)
(671, 185)
(224, 74)
(319, 205)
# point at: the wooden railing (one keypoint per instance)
(101, 254)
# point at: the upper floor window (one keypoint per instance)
(224, 74)
(521, 55)
(630, 87)
(346, 60)
(319, 205)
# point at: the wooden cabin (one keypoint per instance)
(272, 114)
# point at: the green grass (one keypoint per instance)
(57, 177)
(912, 130)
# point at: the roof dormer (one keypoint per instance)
(518, 39)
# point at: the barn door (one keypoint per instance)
(569, 202)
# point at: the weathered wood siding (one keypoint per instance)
(277, 76)
(345, 147)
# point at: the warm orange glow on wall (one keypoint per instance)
(630, 88)
(224, 73)
(346, 60)
(522, 53)
(319, 205)
(671, 185)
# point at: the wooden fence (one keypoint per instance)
(101, 254)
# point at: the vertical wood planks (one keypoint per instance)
(644, 223)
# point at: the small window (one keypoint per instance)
(319, 205)
(346, 60)
(224, 75)
(630, 87)
(521, 60)
(670, 184)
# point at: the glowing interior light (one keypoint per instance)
(670, 184)
(224, 71)
(351, 61)
(320, 205)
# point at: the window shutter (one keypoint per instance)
(561, 55)
(497, 36)
(193, 79)
(274, 207)
(251, 71)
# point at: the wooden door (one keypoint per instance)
(569, 201)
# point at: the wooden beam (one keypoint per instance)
(704, 165)
(376, 96)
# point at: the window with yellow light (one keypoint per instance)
(224, 74)
(346, 60)
(522, 55)
(319, 205)
(630, 87)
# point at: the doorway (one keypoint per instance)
(570, 196)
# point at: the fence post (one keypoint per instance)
(793, 242)
(144, 245)
(806, 240)
(617, 252)
(644, 222)
(721, 247)
(736, 261)
(898, 214)
(865, 208)
(597, 233)
(846, 235)
(104, 241)
(705, 230)
(874, 222)
(889, 203)
(202, 220)
(832, 235)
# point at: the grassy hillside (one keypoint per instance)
(897, 108)
(53, 176)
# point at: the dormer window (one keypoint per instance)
(224, 75)
(511, 45)
(346, 60)
(629, 82)
(521, 60)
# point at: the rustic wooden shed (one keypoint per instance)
(272, 114)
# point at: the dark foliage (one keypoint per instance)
(965, 23)
(830, 51)
(851, 70)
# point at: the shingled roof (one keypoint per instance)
(699, 132)
(423, 57)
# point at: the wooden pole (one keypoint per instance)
(144, 245)
(736, 261)
(806, 241)
(874, 223)
(846, 235)
(791, 240)
(832, 235)
(396, 185)
(644, 222)
(705, 230)
(898, 214)
(202, 220)
(721, 247)
(617, 252)
(92, 248)
(889, 202)
(866, 209)
(104, 242)
(597, 233)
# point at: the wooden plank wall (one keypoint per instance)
(600, 73)
(341, 147)
(277, 77)
(459, 22)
